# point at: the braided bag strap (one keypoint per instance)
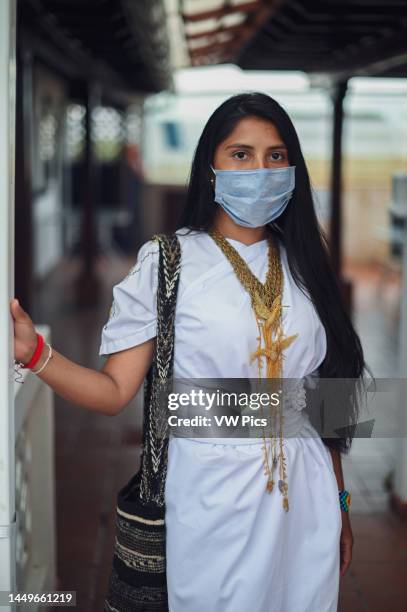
(159, 376)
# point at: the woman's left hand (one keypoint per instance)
(346, 543)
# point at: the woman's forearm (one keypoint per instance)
(107, 391)
(337, 463)
(91, 389)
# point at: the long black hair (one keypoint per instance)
(298, 229)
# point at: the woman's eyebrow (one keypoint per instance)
(245, 146)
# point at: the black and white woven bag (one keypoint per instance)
(138, 580)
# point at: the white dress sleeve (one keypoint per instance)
(133, 315)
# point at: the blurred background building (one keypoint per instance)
(111, 96)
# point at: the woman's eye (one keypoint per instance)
(277, 156)
(240, 154)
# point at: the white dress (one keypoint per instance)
(231, 547)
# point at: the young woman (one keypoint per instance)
(253, 260)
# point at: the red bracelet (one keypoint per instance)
(37, 353)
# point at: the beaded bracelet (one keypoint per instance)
(344, 500)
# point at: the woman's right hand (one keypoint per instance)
(25, 337)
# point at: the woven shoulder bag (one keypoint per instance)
(138, 581)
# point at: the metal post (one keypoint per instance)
(338, 94)
(7, 157)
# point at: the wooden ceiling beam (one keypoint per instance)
(362, 3)
(256, 19)
(266, 11)
(336, 27)
(219, 30)
(313, 11)
(218, 13)
(318, 11)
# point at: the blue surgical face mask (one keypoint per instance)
(253, 198)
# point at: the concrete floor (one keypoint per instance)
(96, 455)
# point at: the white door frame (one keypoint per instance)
(7, 164)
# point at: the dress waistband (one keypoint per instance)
(235, 423)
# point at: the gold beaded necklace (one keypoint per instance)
(267, 307)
